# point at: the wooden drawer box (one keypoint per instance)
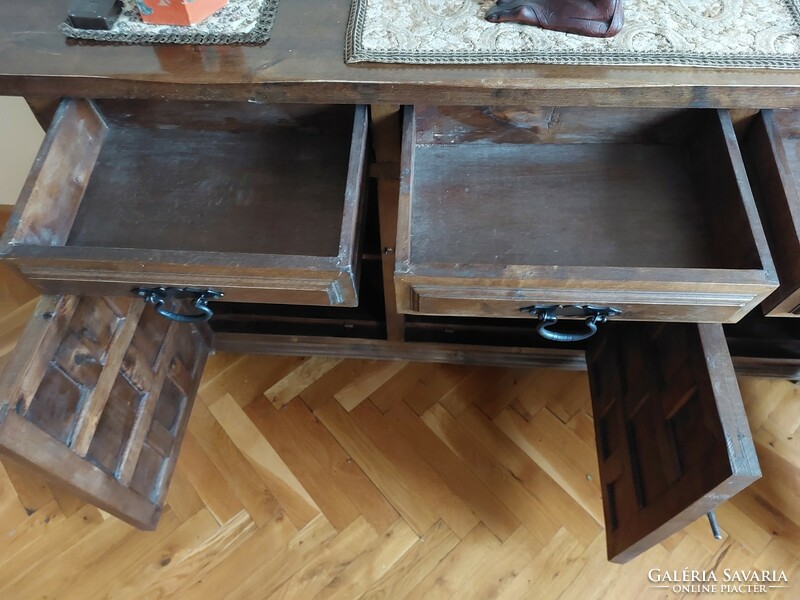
(646, 211)
(260, 202)
(772, 152)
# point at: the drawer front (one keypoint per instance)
(672, 436)
(647, 211)
(97, 397)
(262, 203)
(772, 152)
(633, 305)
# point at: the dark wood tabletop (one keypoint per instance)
(304, 62)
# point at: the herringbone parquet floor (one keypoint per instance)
(324, 478)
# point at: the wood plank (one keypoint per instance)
(144, 414)
(22, 375)
(476, 493)
(94, 405)
(264, 578)
(565, 458)
(550, 496)
(384, 473)
(83, 554)
(175, 577)
(432, 493)
(415, 564)
(504, 486)
(45, 548)
(313, 459)
(208, 481)
(180, 543)
(31, 489)
(418, 385)
(248, 377)
(120, 560)
(499, 569)
(328, 564)
(361, 387)
(282, 483)
(299, 379)
(240, 476)
(372, 564)
(457, 566)
(233, 569)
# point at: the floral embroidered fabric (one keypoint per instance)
(705, 33)
(239, 22)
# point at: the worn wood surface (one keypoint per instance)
(261, 202)
(501, 209)
(438, 481)
(772, 149)
(97, 408)
(303, 62)
(673, 441)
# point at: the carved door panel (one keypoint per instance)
(97, 397)
(673, 440)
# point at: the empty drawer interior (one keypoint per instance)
(221, 177)
(576, 187)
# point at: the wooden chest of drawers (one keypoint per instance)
(242, 170)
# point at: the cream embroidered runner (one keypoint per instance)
(239, 22)
(702, 33)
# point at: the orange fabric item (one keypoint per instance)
(178, 12)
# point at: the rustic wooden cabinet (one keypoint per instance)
(172, 175)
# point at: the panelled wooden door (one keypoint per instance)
(97, 397)
(673, 440)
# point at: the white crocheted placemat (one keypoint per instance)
(238, 22)
(699, 33)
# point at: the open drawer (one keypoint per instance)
(644, 211)
(772, 152)
(259, 202)
(97, 397)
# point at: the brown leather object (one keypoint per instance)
(591, 18)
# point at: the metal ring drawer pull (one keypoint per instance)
(159, 295)
(549, 315)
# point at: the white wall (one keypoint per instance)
(20, 138)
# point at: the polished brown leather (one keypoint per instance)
(592, 18)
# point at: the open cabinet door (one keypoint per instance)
(97, 396)
(673, 440)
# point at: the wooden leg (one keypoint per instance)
(386, 143)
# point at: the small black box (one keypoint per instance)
(94, 14)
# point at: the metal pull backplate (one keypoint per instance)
(549, 315)
(158, 296)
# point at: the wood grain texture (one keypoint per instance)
(506, 208)
(287, 181)
(303, 62)
(334, 533)
(83, 413)
(772, 148)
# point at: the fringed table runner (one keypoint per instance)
(239, 22)
(698, 33)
